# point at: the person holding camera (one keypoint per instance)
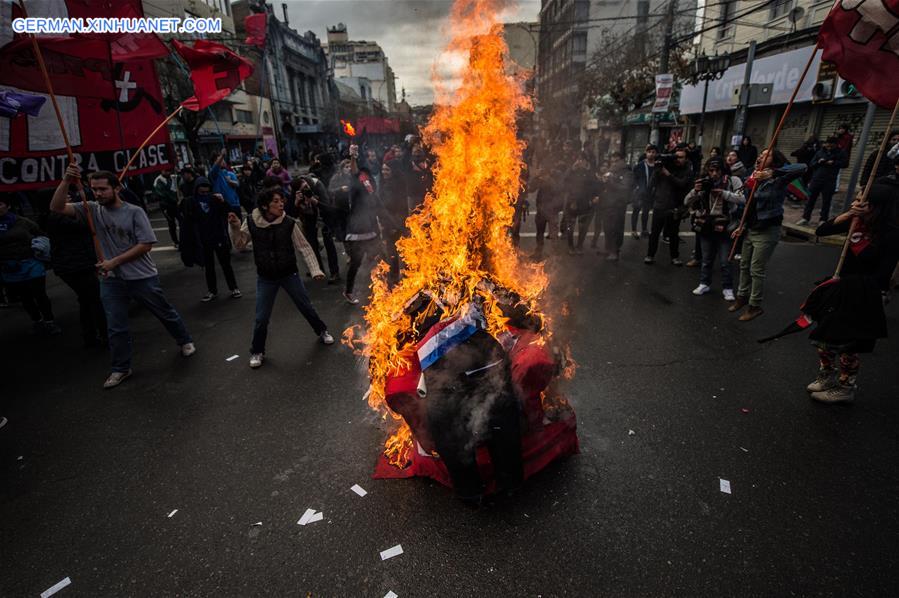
(762, 227)
(671, 180)
(710, 203)
(276, 238)
(617, 183)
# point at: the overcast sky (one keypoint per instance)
(411, 32)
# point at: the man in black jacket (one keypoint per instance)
(643, 191)
(672, 181)
(826, 165)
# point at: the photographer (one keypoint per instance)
(310, 198)
(671, 181)
(708, 204)
(617, 184)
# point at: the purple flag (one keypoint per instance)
(13, 103)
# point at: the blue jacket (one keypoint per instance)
(770, 193)
(219, 178)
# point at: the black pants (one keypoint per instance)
(613, 227)
(642, 207)
(33, 294)
(357, 251)
(664, 220)
(330, 249)
(223, 253)
(583, 224)
(173, 218)
(90, 307)
(393, 256)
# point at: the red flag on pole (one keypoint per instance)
(862, 39)
(215, 70)
(255, 26)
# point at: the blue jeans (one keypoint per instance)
(711, 244)
(116, 294)
(266, 291)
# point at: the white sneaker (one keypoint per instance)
(116, 378)
(702, 289)
(802, 222)
(256, 360)
(208, 297)
(327, 338)
(728, 294)
(188, 349)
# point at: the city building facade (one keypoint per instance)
(361, 59)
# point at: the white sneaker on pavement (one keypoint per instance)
(802, 222)
(702, 289)
(116, 378)
(208, 297)
(256, 360)
(728, 294)
(327, 338)
(188, 349)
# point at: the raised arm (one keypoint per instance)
(60, 202)
(240, 233)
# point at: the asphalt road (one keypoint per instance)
(89, 477)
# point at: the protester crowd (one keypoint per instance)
(360, 197)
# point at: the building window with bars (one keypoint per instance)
(726, 27)
(780, 8)
(243, 116)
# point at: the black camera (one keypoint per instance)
(707, 184)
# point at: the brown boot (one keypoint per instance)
(752, 313)
(738, 304)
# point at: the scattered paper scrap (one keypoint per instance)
(744, 449)
(172, 513)
(257, 523)
(390, 594)
(55, 587)
(305, 518)
(725, 486)
(630, 432)
(358, 490)
(317, 517)
(232, 358)
(391, 552)
(744, 410)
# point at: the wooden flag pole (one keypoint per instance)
(868, 185)
(124, 172)
(65, 136)
(771, 144)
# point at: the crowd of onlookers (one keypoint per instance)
(360, 197)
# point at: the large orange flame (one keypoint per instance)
(459, 237)
(348, 128)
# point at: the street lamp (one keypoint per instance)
(707, 68)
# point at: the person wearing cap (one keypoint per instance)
(710, 203)
(224, 181)
(825, 165)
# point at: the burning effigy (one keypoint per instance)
(461, 357)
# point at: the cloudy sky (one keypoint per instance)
(411, 32)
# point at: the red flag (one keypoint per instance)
(862, 39)
(255, 26)
(215, 70)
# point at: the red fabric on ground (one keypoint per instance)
(538, 449)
